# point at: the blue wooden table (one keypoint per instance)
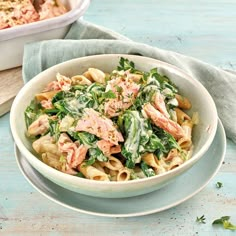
(202, 29)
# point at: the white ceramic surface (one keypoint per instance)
(157, 201)
(12, 40)
(203, 133)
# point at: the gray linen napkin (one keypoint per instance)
(84, 39)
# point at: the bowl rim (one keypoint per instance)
(73, 179)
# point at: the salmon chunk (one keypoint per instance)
(108, 148)
(159, 104)
(75, 153)
(126, 90)
(39, 126)
(163, 122)
(93, 122)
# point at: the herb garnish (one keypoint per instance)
(224, 221)
(219, 185)
(201, 219)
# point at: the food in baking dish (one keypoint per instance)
(18, 12)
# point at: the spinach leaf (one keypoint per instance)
(147, 170)
(61, 96)
(54, 129)
(130, 149)
(84, 137)
(96, 152)
(89, 140)
(167, 140)
(32, 112)
(125, 64)
(145, 95)
(139, 137)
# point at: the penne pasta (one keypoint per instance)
(175, 162)
(98, 166)
(187, 126)
(88, 76)
(123, 174)
(46, 95)
(46, 144)
(139, 173)
(95, 75)
(53, 160)
(173, 153)
(186, 141)
(92, 173)
(150, 159)
(181, 116)
(39, 126)
(135, 77)
(161, 168)
(112, 163)
(183, 102)
(113, 175)
(80, 79)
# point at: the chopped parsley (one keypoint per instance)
(201, 219)
(219, 185)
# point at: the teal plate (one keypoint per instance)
(169, 196)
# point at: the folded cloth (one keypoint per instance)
(84, 39)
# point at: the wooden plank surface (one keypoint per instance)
(10, 83)
(202, 29)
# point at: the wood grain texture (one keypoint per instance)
(202, 29)
(10, 84)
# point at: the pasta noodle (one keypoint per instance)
(46, 144)
(80, 79)
(98, 166)
(151, 160)
(93, 173)
(123, 174)
(175, 162)
(183, 102)
(186, 141)
(46, 95)
(181, 116)
(112, 163)
(53, 160)
(113, 175)
(95, 75)
(161, 167)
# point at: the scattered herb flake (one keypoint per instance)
(201, 219)
(219, 185)
(119, 89)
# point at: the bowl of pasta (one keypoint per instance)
(113, 125)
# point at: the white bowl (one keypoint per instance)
(203, 134)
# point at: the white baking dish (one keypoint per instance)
(12, 40)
